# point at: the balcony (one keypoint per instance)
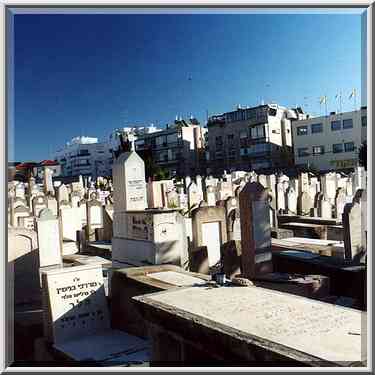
(259, 149)
(166, 145)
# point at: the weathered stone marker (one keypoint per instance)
(255, 230)
(49, 239)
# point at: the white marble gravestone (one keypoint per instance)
(211, 196)
(47, 181)
(49, 239)
(129, 183)
(71, 223)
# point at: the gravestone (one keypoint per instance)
(27, 222)
(340, 202)
(361, 198)
(172, 198)
(224, 190)
(262, 179)
(325, 209)
(71, 223)
(255, 230)
(20, 190)
(211, 196)
(76, 317)
(291, 201)
(329, 186)
(62, 194)
(23, 266)
(75, 198)
(351, 221)
(47, 181)
(182, 199)
(304, 204)
(39, 203)
(209, 229)
(195, 196)
(107, 222)
(19, 211)
(83, 211)
(52, 204)
(303, 183)
(49, 239)
(280, 194)
(94, 217)
(129, 183)
(187, 182)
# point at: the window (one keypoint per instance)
(219, 140)
(349, 146)
(172, 138)
(258, 132)
(317, 128)
(302, 130)
(347, 123)
(243, 134)
(303, 151)
(232, 154)
(337, 148)
(161, 140)
(335, 125)
(364, 121)
(230, 137)
(272, 112)
(318, 150)
(219, 154)
(260, 148)
(84, 152)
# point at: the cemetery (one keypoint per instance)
(238, 270)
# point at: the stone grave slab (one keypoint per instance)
(135, 281)
(305, 330)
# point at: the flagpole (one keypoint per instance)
(340, 102)
(325, 103)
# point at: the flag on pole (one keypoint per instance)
(353, 93)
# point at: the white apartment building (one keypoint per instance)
(179, 148)
(330, 142)
(84, 156)
(251, 138)
(87, 156)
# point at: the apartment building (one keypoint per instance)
(179, 148)
(87, 156)
(330, 142)
(83, 156)
(257, 138)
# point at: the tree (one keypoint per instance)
(362, 155)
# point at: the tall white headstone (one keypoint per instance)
(129, 183)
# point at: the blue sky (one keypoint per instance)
(88, 74)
